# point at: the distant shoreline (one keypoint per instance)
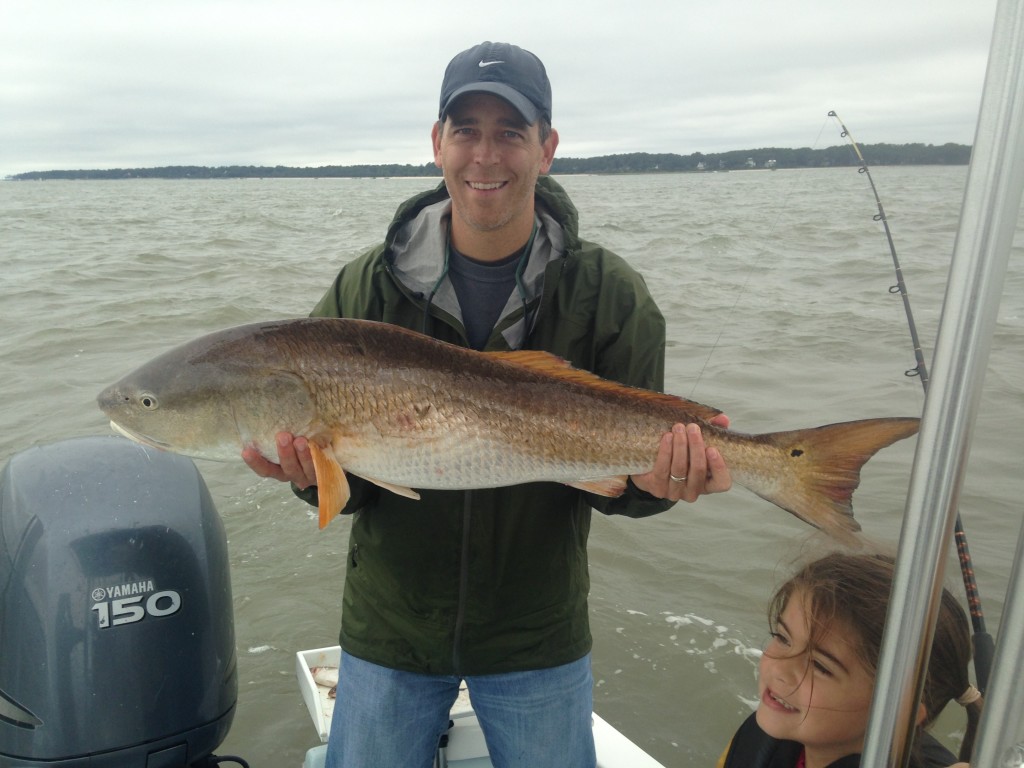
(636, 162)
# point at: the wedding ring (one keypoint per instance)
(677, 479)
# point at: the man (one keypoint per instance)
(488, 585)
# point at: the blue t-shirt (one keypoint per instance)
(483, 289)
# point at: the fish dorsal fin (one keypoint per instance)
(536, 359)
(555, 366)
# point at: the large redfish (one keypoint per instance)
(406, 411)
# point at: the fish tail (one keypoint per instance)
(821, 469)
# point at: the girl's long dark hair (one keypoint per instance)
(852, 591)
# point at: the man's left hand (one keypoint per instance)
(685, 468)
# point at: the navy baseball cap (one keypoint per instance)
(505, 70)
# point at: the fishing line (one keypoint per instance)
(984, 646)
(782, 207)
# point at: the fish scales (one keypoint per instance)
(494, 421)
(407, 411)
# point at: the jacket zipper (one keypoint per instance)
(460, 613)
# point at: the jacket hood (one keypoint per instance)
(416, 251)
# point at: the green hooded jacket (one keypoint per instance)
(492, 580)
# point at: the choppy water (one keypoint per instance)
(776, 290)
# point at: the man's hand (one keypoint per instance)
(296, 462)
(685, 469)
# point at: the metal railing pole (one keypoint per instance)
(988, 220)
(1000, 740)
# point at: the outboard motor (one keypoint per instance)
(117, 645)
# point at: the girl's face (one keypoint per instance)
(818, 697)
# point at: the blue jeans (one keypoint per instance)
(385, 718)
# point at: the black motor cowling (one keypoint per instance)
(117, 641)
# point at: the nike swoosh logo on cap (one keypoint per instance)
(489, 63)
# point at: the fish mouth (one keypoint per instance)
(125, 432)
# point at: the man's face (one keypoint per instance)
(491, 160)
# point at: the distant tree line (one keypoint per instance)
(769, 157)
(237, 172)
(636, 162)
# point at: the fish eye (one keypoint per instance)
(148, 401)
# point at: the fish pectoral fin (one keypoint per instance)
(605, 486)
(331, 483)
(400, 490)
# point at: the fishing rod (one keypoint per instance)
(984, 645)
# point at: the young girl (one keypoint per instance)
(817, 673)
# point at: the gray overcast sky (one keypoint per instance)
(139, 83)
